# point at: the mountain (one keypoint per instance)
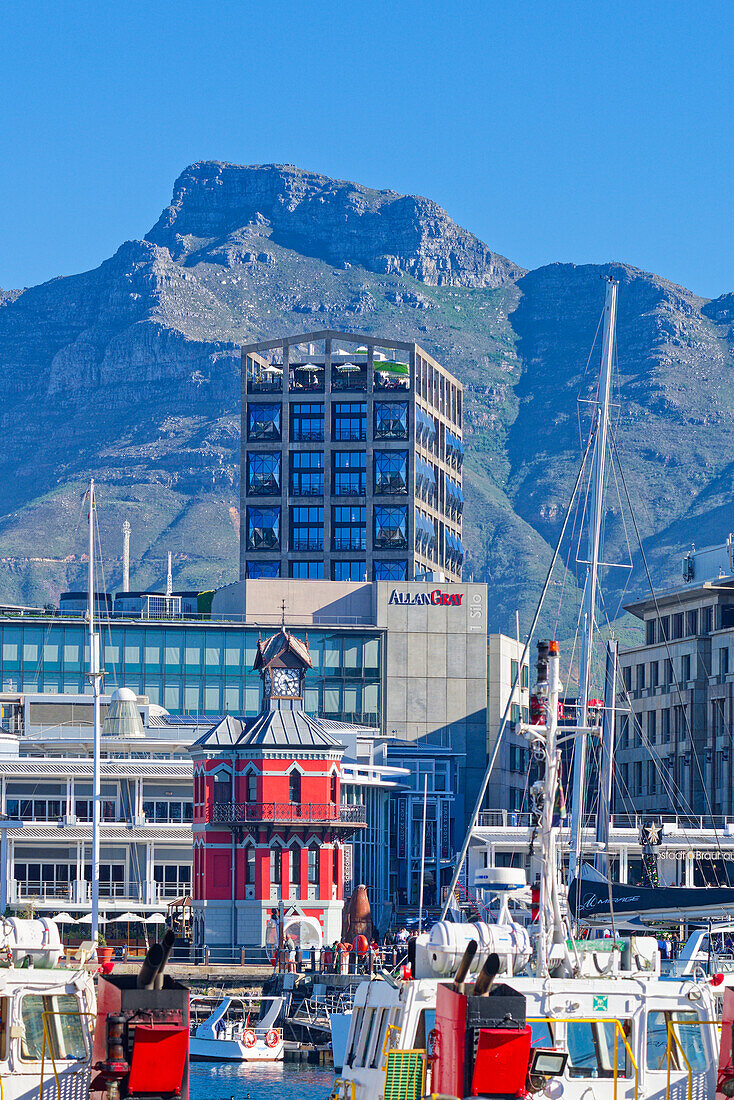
(130, 373)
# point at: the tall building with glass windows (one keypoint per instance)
(351, 461)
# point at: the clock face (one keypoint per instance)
(285, 682)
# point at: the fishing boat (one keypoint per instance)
(227, 1035)
(47, 1013)
(571, 1017)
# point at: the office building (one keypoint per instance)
(351, 461)
(674, 747)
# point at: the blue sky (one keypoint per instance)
(579, 132)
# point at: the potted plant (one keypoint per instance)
(104, 953)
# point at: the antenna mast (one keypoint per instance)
(596, 520)
(169, 577)
(126, 556)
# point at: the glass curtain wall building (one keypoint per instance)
(351, 464)
(190, 667)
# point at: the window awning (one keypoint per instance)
(424, 527)
(424, 472)
(425, 424)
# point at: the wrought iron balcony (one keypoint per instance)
(289, 813)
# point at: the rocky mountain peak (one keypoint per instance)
(332, 220)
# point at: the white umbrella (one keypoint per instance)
(127, 918)
(64, 918)
(155, 918)
(271, 370)
(347, 367)
(87, 919)
(310, 366)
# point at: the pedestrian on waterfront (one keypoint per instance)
(290, 946)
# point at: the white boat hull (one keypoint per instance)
(232, 1050)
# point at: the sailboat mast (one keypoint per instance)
(596, 519)
(94, 678)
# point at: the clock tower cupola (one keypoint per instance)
(282, 661)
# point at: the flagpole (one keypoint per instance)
(423, 853)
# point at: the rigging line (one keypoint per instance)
(679, 693)
(106, 624)
(567, 568)
(511, 696)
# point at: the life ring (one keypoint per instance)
(272, 1038)
(249, 1038)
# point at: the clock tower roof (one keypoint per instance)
(282, 650)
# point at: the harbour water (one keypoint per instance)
(279, 1081)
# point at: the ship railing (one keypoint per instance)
(674, 1045)
(619, 1033)
(48, 1045)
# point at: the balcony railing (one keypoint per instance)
(677, 822)
(296, 813)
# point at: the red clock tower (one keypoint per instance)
(269, 825)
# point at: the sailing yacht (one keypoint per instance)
(600, 1020)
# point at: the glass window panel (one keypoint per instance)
(172, 697)
(71, 653)
(211, 700)
(252, 700)
(391, 526)
(307, 473)
(191, 698)
(311, 700)
(332, 653)
(371, 657)
(173, 653)
(349, 420)
(263, 421)
(352, 699)
(309, 570)
(391, 420)
(259, 569)
(10, 652)
(332, 703)
(348, 527)
(307, 527)
(263, 473)
(391, 570)
(232, 699)
(352, 653)
(233, 652)
(51, 653)
(263, 528)
(355, 570)
(307, 422)
(391, 471)
(349, 473)
(152, 654)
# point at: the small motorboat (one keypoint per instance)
(227, 1035)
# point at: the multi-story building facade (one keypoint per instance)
(507, 789)
(46, 803)
(351, 460)
(674, 746)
